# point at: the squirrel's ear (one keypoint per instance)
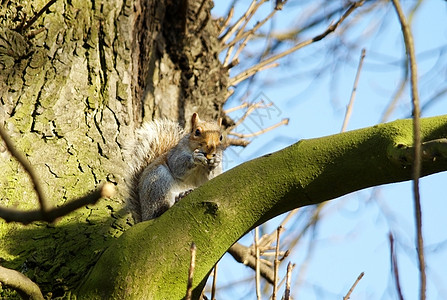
(194, 120)
(219, 122)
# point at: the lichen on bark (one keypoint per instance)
(73, 88)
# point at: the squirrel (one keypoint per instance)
(167, 163)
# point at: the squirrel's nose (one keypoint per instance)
(211, 151)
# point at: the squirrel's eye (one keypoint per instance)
(220, 138)
(197, 132)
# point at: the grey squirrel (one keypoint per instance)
(166, 163)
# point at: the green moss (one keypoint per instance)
(151, 259)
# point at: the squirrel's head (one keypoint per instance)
(206, 136)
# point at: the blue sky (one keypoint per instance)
(352, 237)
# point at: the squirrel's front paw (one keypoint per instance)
(199, 157)
(214, 161)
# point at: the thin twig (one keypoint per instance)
(235, 27)
(348, 295)
(230, 110)
(37, 15)
(227, 20)
(256, 68)
(276, 264)
(228, 57)
(290, 267)
(250, 109)
(241, 31)
(24, 286)
(245, 256)
(288, 217)
(192, 266)
(242, 46)
(241, 135)
(228, 94)
(213, 287)
(395, 267)
(26, 217)
(267, 239)
(237, 142)
(250, 72)
(246, 36)
(28, 169)
(409, 45)
(354, 89)
(258, 277)
(232, 63)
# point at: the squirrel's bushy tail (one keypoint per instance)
(151, 140)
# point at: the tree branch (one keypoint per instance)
(348, 295)
(354, 90)
(22, 284)
(308, 172)
(409, 45)
(26, 217)
(28, 169)
(260, 66)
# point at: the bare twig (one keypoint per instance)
(235, 27)
(26, 288)
(243, 255)
(348, 295)
(228, 57)
(290, 267)
(242, 46)
(395, 267)
(354, 89)
(213, 287)
(230, 110)
(227, 20)
(237, 142)
(247, 135)
(258, 273)
(243, 35)
(409, 45)
(250, 109)
(28, 169)
(192, 266)
(276, 264)
(288, 217)
(228, 94)
(279, 4)
(267, 240)
(36, 16)
(241, 31)
(251, 71)
(26, 217)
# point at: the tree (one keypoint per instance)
(79, 78)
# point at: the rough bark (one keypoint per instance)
(73, 87)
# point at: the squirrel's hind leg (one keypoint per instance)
(182, 195)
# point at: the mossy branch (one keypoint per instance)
(151, 259)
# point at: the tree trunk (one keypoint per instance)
(74, 85)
